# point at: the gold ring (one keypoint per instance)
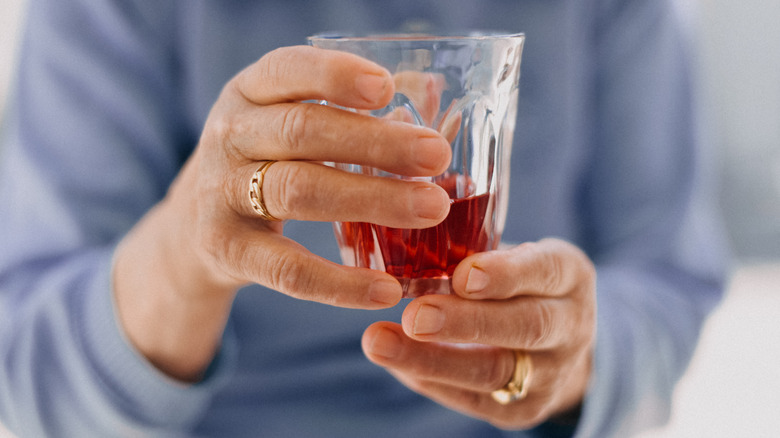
(256, 192)
(517, 388)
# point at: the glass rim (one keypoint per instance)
(477, 35)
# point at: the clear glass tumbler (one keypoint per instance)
(465, 87)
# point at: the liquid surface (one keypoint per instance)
(422, 254)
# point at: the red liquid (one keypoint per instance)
(423, 254)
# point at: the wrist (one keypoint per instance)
(172, 309)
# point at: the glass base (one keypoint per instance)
(417, 287)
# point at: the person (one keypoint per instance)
(141, 294)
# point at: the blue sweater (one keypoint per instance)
(110, 99)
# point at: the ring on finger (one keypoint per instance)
(517, 387)
(256, 192)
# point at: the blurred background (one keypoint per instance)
(732, 387)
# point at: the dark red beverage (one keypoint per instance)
(423, 259)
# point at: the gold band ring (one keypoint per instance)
(517, 388)
(256, 192)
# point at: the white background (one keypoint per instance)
(732, 388)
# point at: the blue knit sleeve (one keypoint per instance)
(650, 218)
(82, 160)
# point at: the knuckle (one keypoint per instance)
(228, 254)
(241, 256)
(553, 272)
(286, 274)
(272, 66)
(499, 371)
(293, 126)
(538, 328)
(229, 130)
(295, 276)
(287, 191)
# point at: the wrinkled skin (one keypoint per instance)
(177, 272)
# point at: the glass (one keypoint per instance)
(465, 87)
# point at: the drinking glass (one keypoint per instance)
(464, 86)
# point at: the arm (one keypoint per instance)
(83, 159)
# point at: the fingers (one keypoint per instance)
(307, 131)
(274, 261)
(548, 268)
(299, 73)
(461, 377)
(537, 296)
(527, 323)
(260, 117)
(538, 299)
(478, 368)
(311, 191)
(524, 414)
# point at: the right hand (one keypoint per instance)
(204, 241)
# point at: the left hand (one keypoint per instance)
(538, 298)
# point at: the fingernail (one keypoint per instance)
(429, 153)
(429, 320)
(477, 280)
(428, 202)
(387, 292)
(386, 343)
(371, 87)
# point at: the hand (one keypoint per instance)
(261, 118)
(177, 272)
(456, 349)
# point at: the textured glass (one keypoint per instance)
(465, 87)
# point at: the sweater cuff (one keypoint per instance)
(139, 389)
